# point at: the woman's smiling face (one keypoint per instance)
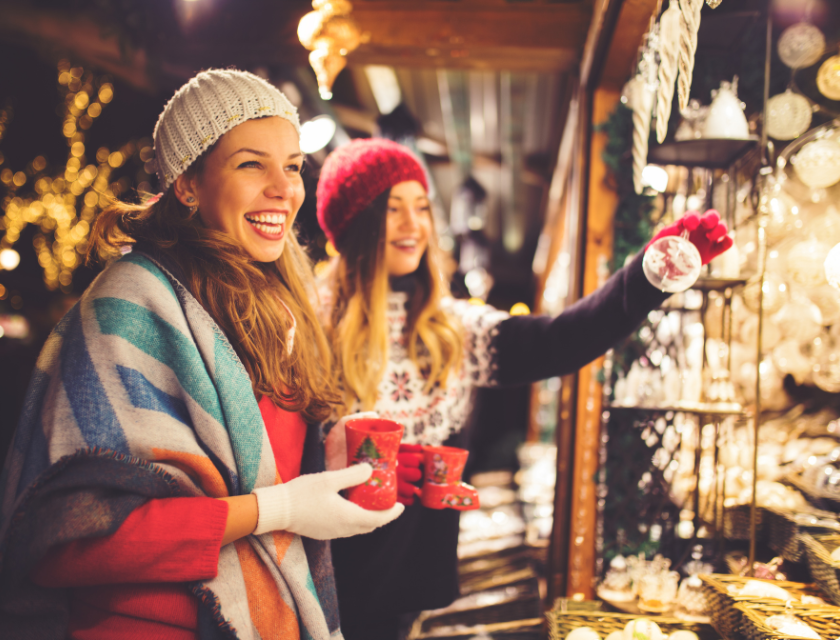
(408, 227)
(250, 187)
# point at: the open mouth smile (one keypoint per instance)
(271, 226)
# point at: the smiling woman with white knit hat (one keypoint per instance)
(164, 481)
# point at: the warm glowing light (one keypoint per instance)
(520, 309)
(832, 267)
(478, 302)
(316, 134)
(655, 177)
(9, 259)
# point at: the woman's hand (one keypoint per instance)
(335, 446)
(311, 506)
(705, 232)
(409, 459)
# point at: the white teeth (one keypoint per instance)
(273, 229)
(406, 243)
(269, 218)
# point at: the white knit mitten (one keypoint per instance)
(311, 506)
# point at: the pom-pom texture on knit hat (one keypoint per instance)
(207, 107)
(355, 174)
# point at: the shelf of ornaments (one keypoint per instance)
(708, 153)
(695, 408)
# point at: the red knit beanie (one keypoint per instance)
(354, 175)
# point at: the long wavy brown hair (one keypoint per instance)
(357, 322)
(242, 296)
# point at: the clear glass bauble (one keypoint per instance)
(801, 45)
(827, 298)
(799, 320)
(826, 366)
(788, 358)
(788, 115)
(782, 213)
(818, 163)
(672, 264)
(832, 267)
(806, 263)
(828, 78)
(770, 334)
(774, 290)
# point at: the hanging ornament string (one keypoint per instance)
(689, 25)
(669, 51)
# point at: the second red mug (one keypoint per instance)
(442, 486)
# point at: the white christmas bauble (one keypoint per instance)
(827, 298)
(788, 115)
(832, 267)
(583, 633)
(828, 78)
(818, 163)
(799, 320)
(672, 264)
(774, 293)
(642, 629)
(806, 263)
(801, 45)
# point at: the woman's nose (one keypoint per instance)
(279, 185)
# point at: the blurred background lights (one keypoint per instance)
(520, 309)
(9, 259)
(655, 177)
(316, 134)
(832, 267)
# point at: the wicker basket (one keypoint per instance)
(783, 535)
(736, 522)
(514, 602)
(824, 570)
(530, 629)
(561, 623)
(823, 499)
(726, 619)
(824, 620)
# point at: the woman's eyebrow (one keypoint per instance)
(262, 154)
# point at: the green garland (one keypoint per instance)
(633, 224)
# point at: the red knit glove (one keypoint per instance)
(409, 459)
(707, 233)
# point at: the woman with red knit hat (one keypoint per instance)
(405, 349)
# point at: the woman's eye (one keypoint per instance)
(251, 164)
(295, 168)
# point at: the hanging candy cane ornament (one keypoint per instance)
(689, 25)
(669, 51)
(640, 98)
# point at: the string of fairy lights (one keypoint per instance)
(64, 203)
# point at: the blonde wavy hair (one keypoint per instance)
(357, 323)
(237, 293)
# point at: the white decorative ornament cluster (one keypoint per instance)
(801, 45)
(669, 51)
(818, 163)
(788, 115)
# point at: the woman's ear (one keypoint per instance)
(185, 190)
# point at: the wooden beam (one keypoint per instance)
(471, 34)
(602, 202)
(635, 19)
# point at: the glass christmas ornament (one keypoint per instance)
(806, 263)
(672, 263)
(827, 298)
(782, 212)
(788, 115)
(714, 4)
(832, 267)
(774, 290)
(726, 117)
(799, 320)
(801, 45)
(828, 78)
(770, 334)
(818, 163)
(788, 358)
(826, 363)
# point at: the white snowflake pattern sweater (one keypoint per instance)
(431, 417)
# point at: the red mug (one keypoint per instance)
(442, 486)
(375, 441)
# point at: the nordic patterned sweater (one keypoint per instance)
(411, 564)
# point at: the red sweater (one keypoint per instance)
(131, 584)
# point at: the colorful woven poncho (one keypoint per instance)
(138, 395)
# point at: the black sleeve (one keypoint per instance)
(531, 348)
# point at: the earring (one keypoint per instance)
(190, 199)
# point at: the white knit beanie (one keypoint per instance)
(207, 107)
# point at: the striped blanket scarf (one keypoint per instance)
(138, 395)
